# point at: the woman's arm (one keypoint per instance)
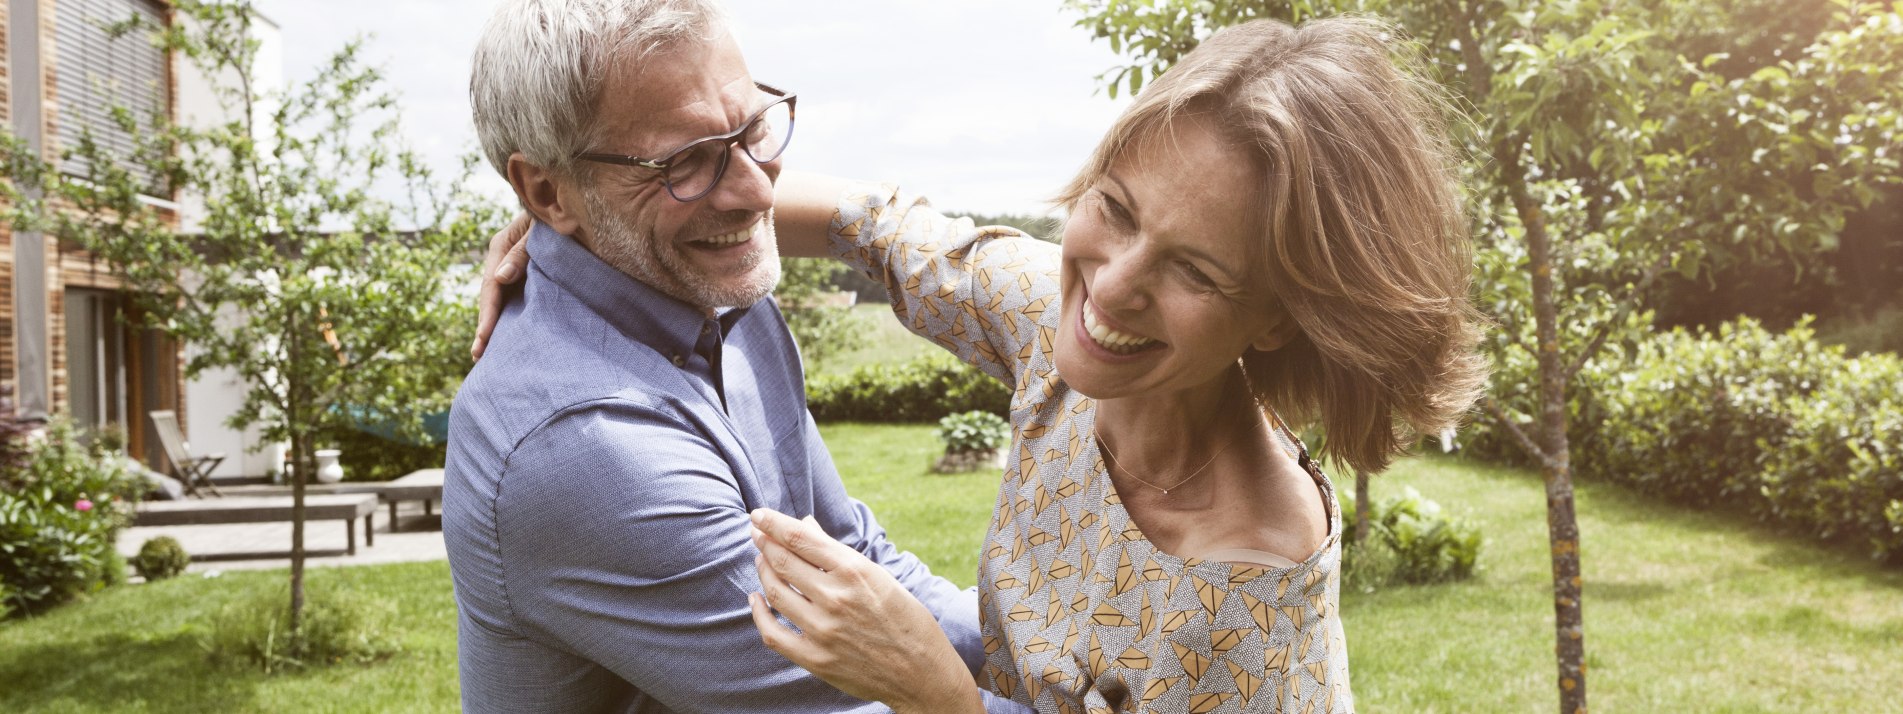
(859, 629)
(803, 206)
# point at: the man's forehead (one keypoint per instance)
(675, 94)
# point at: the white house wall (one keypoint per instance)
(213, 396)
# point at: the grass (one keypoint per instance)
(1685, 611)
(137, 649)
(941, 518)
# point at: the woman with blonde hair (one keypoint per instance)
(1271, 235)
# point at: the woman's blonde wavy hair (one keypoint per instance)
(1367, 247)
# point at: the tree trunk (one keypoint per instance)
(301, 464)
(1361, 507)
(1562, 523)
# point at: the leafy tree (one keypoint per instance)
(1611, 143)
(333, 303)
(821, 330)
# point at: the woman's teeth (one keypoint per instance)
(1112, 340)
(738, 236)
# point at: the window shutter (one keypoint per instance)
(95, 72)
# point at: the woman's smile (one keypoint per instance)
(1105, 334)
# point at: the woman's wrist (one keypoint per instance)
(948, 689)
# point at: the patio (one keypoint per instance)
(421, 538)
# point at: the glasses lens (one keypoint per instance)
(769, 135)
(693, 171)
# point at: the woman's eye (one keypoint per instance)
(1196, 275)
(1113, 211)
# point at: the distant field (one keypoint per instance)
(887, 342)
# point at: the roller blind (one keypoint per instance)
(94, 72)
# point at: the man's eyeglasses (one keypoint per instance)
(692, 171)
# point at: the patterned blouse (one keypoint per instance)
(1080, 612)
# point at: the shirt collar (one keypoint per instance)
(641, 312)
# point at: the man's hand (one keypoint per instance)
(863, 632)
(506, 261)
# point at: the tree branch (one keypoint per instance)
(1626, 307)
(1513, 429)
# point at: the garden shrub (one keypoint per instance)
(1692, 416)
(1779, 425)
(1839, 473)
(920, 391)
(1409, 541)
(340, 626)
(161, 558)
(62, 505)
(974, 431)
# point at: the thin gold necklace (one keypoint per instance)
(1105, 448)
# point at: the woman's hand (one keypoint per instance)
(506, 261)
(863, 632)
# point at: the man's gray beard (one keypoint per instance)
(621, 246)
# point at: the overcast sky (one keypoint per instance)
(984, 105)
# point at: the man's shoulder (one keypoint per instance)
(531, 375)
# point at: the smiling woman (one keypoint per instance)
(1272, 229)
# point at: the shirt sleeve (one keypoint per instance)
(981, 292)
(624, 541)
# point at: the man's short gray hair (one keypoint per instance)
(540, 66)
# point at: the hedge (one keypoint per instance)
(923, 390)
(1780, 425)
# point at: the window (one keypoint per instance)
(95, 358)
(94, 72)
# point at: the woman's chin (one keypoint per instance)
(1090, 377)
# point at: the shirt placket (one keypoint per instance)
(707, 347)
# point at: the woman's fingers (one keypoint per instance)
(776, 636)
(514, 247)
(783, 595)
(505, 262)
(804, 539)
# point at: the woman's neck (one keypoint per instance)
(1162, 438)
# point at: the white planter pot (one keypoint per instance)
(328, 470)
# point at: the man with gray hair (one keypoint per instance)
(642, 395)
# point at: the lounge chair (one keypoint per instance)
(193, 471)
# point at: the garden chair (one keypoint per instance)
(193, 471)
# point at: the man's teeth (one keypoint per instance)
(738, 236)
(1111, 339)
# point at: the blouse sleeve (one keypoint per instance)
(981, 292)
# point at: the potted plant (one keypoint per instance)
(973, 440)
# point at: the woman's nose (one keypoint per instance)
(1121, 284)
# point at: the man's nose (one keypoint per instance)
(747, 185)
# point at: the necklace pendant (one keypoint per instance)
(1166, 492)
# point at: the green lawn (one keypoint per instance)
(1685, 611)
(136, 648)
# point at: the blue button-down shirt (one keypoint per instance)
(603, 459)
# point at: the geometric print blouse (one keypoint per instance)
(1080, 613)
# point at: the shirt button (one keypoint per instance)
(680, 361)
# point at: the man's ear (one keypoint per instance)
(554, 202)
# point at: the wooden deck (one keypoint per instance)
(265, 509)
